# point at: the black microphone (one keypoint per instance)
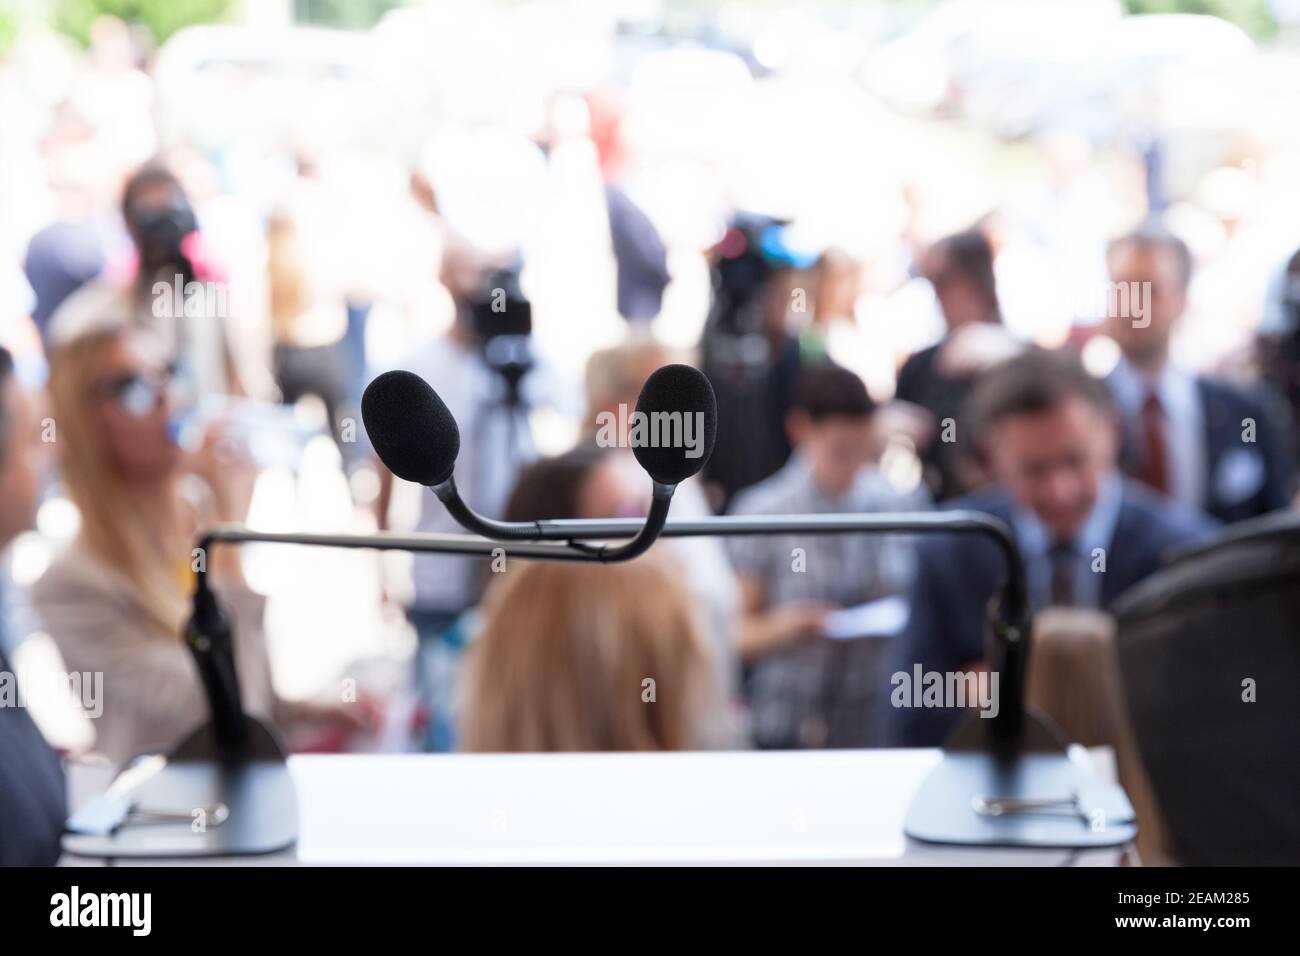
(411, 428)
(676, 390)
(416, 438)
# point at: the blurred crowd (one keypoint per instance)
(191, 306)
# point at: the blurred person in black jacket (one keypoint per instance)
(937, 379)
(1278, 345)
(750, 353)
(171, 283)
(32, 800)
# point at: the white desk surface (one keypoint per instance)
(801, 807)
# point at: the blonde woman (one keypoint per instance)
(577, 657)
(116, 599)
(614, 378)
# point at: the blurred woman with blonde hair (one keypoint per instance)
(590, 657)
(116, 599)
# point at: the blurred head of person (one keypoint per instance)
(588, 657)
(487, 292)
(587, 482)
(289, 292)
(615, 375)
(159, 219)
(1047, 430)
(1154, 268)
(22, 453)
(111, 396)
(463, 269)
(839, 283)
(788, 301)
(830, 424)
(960, 269)
(112, 47)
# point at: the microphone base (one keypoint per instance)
(1036, 767)
(253, 784)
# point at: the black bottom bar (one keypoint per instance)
(909, 905)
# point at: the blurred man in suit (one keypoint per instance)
(32, 807)
(1046, 430)
(1207, 444)
(936, 380)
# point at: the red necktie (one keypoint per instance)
(1154, 469)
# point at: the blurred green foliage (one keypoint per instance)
(8, 27)
(161, 17)
(348, 14)
(1253, 16)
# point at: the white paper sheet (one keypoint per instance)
(885, 617)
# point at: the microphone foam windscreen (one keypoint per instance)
(678, 423)
(411, 428)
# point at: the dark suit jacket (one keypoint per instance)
(956, 575)
(752, 442)
(32, 800)
(1242, 479)
(920, 383)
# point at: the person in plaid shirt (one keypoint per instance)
(805, 689)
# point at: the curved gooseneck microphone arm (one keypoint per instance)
(475, 523)
(655, 520)
(643, 533)
(416, 437)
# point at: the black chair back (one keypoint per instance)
(1209, 652)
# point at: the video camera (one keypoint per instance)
(502, 320)
(753, 249)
